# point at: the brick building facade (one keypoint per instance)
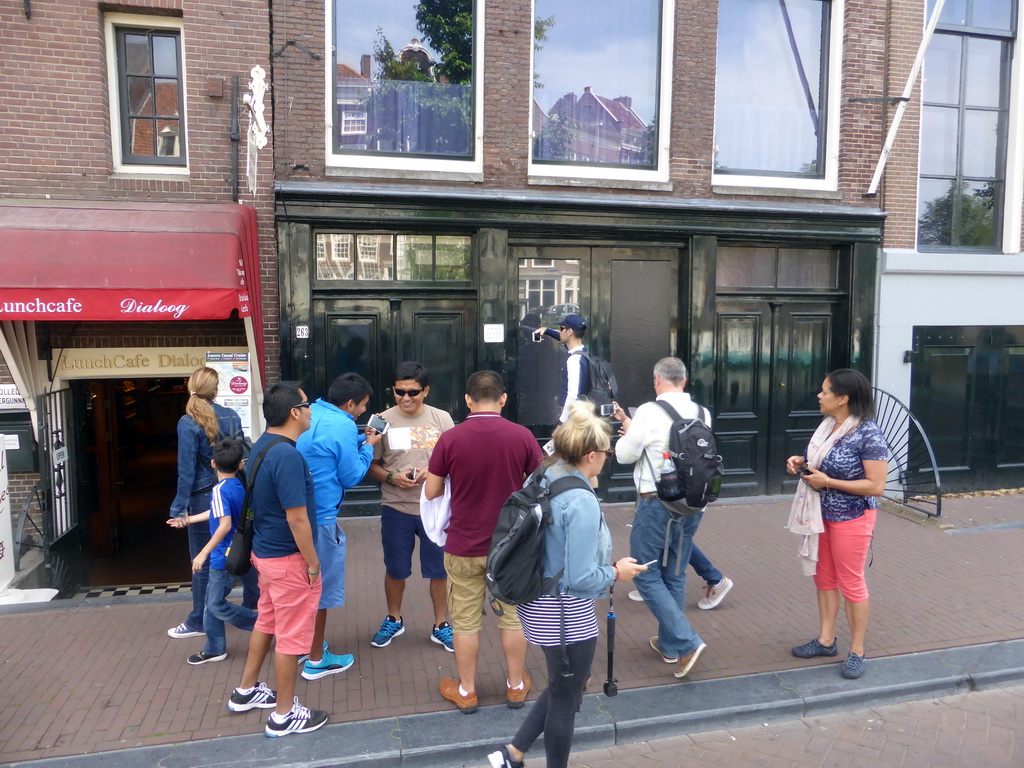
(116, 163)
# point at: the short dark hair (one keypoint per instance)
(227, 455)
(348, 386)
(485, 387)
(853, 384)
(412, 370)
(279, 401)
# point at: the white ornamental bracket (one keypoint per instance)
(258, 128)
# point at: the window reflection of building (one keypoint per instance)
(599, 130)
(392, 257)
(408, 100)
(548, 288)
(352, 91)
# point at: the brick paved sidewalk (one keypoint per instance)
(980, 729)
(85, 677)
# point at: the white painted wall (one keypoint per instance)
(971, 289)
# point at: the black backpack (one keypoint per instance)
(515, 564)
(603, 385)
(694, 450)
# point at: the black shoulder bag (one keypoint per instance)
(238, 558)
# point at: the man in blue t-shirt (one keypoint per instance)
(225, 510)
(284, 553)
(338, 457)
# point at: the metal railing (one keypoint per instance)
(913, 480)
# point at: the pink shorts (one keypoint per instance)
(288, 602)
(842, 550)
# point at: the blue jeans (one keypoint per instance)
(704, 567)
(662, 588)
(219, 610)
(198, 537)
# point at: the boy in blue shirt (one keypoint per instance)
(225, 512)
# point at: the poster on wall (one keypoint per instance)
(235, 388)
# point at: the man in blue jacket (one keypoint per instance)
(338, 458)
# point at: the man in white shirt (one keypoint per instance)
(663, 585)
(576, 369)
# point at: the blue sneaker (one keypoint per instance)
(391, 628)
(813, 647)
(854, 666)
(330, 664)
(442, 635)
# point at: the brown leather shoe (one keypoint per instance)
(516, 698)
(450, 690)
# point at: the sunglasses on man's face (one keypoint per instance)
(301, 405)
(409, 392)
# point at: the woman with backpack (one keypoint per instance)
(834, 510)
(203, 425)
(578, 546)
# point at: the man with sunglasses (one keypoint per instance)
(338, 457)
(400, 466)
(576, 368)
(284, 555)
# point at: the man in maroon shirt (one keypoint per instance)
(486, 458)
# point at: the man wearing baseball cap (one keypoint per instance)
(576, 368)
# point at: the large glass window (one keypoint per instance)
(403, 78)
(151, 98)
(596, 82)
(349, 256)
(963, 126)
(771, 90)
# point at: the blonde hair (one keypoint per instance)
(581, 433)
(202, 388)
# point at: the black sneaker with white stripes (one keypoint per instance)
(300, 720)
(260, 697)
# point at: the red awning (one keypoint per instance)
(66, 260)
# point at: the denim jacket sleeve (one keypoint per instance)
(188, 445)
(587, 572)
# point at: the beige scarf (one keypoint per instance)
(805, 514)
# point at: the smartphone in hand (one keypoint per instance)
(378, 424)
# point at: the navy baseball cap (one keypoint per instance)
(574, 323)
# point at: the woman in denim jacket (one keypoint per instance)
(204, 423)
(579, 545)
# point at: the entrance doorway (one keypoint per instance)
(128, 480)
(629, 297)
(771, 356)
(371, 336)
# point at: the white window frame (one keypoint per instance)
(111, 21)
(397, 166)
(542, 173)
(830, 181)
(1013, 191)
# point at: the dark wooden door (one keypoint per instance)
(967, 390)
(770, 359)
(371, 336)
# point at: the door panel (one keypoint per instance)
(641, 328)
(966, 389)
(741, 386)
(370, 337)
(435, 333)
(770, 359)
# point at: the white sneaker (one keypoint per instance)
(635, 595)
(715, 593)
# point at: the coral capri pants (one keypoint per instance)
(842, 550)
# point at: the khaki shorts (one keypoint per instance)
(467, 593)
